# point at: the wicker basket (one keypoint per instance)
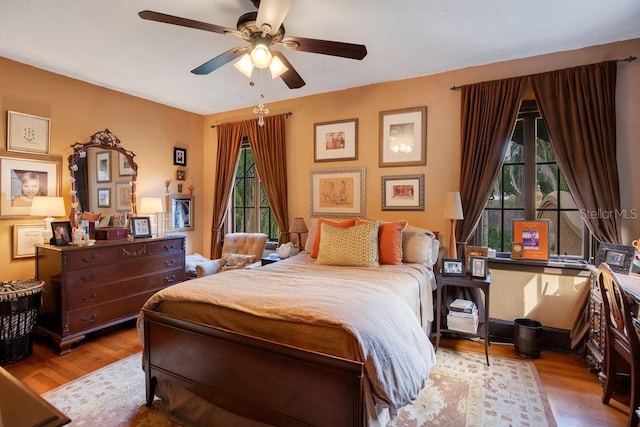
(19, 305)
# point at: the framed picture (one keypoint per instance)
(403, 137)
(479, 267)
(23, 179)
(619, 257)
(124, 168)
(338, 192)
(516, 250)
(181, 208)
(179, 156)
(103, 166)
(453, 267)
(27, 133)
(181, 175)
(61, 232)
(123, 196)
(104, 197)
(140, 226)
(474, 251)
(337, 140)
(25, 237)
(534, 236)
(403, 193)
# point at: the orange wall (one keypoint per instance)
(77, 110)
(443, 137)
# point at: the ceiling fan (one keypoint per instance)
(262, 30)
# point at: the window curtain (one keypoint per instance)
(269, 151)
(229, 142)
(578, 106)
(489, 112)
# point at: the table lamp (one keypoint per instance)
(152, 206)
(298, 227)
(48, 207)
(453, 211)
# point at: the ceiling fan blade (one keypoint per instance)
(326, 47)
(184, 22)
(220, 60)
(272, 13)
(291, 77)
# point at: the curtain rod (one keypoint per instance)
(286, 116)
(627, 59)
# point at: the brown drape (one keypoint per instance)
(269, 151)
(489, 112)
(229, 142)
(578, 107)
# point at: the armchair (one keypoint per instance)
(237, 249)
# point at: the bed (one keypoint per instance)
(297, 342)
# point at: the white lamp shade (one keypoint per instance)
(453, 206)
(150, 205)
(48, 206)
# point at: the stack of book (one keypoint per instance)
(463, 316)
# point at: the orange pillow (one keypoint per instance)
(316, 241)
(389, 241)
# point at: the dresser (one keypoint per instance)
(88, 288)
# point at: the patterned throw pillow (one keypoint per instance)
(389, 241)
(354, 246)
(318, 233)
(236, 261)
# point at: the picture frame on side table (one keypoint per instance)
(453, 267)
(336, 140)
(181, 208)
(403, 193)
(25, 237)
(338, 192)
(477, 251)
(61, 233)
(15, 172)
(403, 137)
(479, 267)
(618, 257)
(27, 133)
(140, 226)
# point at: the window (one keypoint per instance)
(530, 186)
(250, 210)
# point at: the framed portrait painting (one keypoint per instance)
(61, 233)
(403, 137)
(338, 192)
(27, 133)
(337, 140)
(403, 193)
(181, 209)
(23, 179)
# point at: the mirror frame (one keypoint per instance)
(104, 140)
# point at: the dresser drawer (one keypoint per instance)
(96, 315)
(170, 245)
(90, 257)
(87, 296)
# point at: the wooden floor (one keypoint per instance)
(573, 392)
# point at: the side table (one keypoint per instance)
(463, 282)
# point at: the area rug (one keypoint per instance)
(461, 391)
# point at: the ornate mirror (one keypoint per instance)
(103, 176)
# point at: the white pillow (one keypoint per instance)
(420, 246)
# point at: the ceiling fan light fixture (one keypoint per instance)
(244, 65)
(261, 56)
(277, 67)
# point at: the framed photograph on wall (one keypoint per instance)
(181, 175)
(103, 166)
(21, 179)
(123, 196)
(179, 156)
(140, 226)
(338, 192)
(104, 197)
(61, 232)
(27, 133)
(181, 208)
(403, 137)
(619, 257)
(25, 237)
(534, 236)
(337, 140)
(453, 267)
(403, 193)
(124, 168)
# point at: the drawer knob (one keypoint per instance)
(169, 262)
(89, 278)
(89, 260)
(89, 299)
(89, 319)
(170, 247)
(170, 279)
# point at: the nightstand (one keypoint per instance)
(463, 282)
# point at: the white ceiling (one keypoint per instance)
(104, 42)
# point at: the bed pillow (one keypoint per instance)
(236, 261)
(192, 260)
(89, 216)
(318, 232)
(355, 246)
(420, 246)
(389, 241)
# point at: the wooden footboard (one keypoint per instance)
(255, 378)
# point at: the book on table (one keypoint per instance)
(462, 306)
(463, 316)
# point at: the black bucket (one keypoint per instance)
(527, 337)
